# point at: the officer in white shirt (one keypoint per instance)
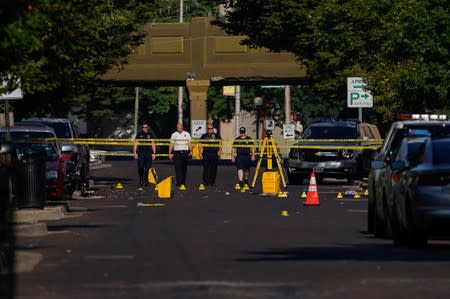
(179, 151)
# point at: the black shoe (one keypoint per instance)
(141, 182)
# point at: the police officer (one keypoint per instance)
(243, 152)
(144, 153)
(179, 151)
(210, 151)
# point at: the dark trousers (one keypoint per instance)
(210, 161)
(180, 159)
(144, 162)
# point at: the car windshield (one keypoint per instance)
(412, 155)
(330, 132)
(26, 135)
(441, 152)
(61, 129)
(21, 141)
(48, 148)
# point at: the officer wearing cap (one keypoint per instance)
(144, 153)
(210, 151)
(180, 151)
(243, 152)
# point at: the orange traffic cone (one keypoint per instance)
(312, 199)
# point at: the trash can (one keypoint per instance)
(29, 182)
(7, 160)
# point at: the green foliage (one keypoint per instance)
(400, 47)
(65, 45)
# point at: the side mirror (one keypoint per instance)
(69, 148)
(377, 164)
(398, 165)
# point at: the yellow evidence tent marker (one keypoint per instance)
(339, 196)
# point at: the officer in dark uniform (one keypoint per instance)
(144, 153)
(243, 152)
(210, 151)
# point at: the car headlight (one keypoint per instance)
(52, 174)
(347, 154)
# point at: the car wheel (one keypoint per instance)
(387, 229)
(319, 180)
(416, 237)
(370, 213)
(399, 236)
(350, 180)
(378, 225)
(378, 220)
(292, 179)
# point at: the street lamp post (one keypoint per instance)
(180, 88)
(258, 103)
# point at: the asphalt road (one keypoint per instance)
(221, 243)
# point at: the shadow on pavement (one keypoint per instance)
(366, 252)
(63, 227)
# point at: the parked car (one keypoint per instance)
(419, 204)
(78, 153)
(25, 137)
(379, 179)
(337, 163)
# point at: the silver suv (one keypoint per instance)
(379, 179)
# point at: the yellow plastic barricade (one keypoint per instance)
(164, 188)
(152, 176)
(271, 182)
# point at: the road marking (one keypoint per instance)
(110, 257)
(357, 211)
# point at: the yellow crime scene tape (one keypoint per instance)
(366, 144)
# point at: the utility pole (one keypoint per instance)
(136, 111)
(180, 88)
(287, 104)
(237, 111)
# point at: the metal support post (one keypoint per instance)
(287, 104)
(136, 111)
(237, 113)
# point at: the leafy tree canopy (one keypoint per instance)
(400, 47)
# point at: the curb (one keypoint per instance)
(99, 166)
(31, 229)
(362, 184)
(34, 215)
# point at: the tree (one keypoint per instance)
(400, 47)
(79, 41)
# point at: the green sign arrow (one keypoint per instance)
(365, 96)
